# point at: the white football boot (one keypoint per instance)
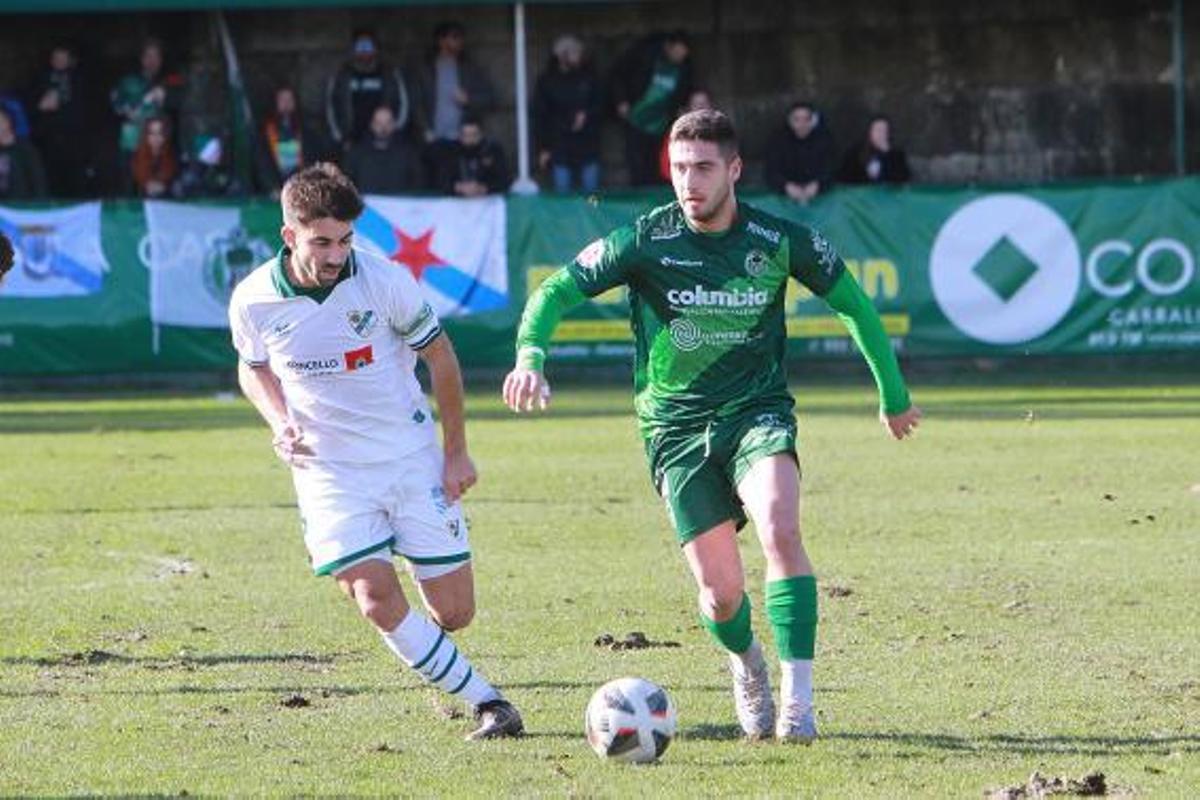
(752, 693)
(797, 722)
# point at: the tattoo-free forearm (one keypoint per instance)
(445, 379)
(265, 393)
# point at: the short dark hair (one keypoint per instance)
(318, 192)
(678, 36)
(706, 125)
(6, 255)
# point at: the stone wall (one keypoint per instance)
(979, 91)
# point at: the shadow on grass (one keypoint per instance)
(713, 733)
(1032, 745)
(91, 658)
(593, 685)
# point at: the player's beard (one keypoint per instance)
(713, 208)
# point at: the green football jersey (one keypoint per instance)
(707, 310)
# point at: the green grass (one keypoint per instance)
(1016, 591)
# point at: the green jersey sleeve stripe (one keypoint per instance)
(557, 295)
(862, 320)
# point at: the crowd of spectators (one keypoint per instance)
(402, 129)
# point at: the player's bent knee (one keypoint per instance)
(455, 618)
(721, 601)
(781, 540)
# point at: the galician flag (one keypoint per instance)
(57, 251)
(197, 255)
(457, 249)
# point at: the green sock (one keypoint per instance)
(733, 634)
(792, 610)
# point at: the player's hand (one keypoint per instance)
(523, 388)
(458, 475)
(903, 424)
(290, 446)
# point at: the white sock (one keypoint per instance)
(796, 681)
(751, 659)
(427, 649)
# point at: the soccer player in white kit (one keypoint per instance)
(328, 337)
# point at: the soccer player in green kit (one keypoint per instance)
(707, 277)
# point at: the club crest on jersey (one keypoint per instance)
(757, 263)
(669, 227)
(362, 322)
(360, 358)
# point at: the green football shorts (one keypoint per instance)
(697, 472)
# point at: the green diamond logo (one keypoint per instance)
(1005, 269)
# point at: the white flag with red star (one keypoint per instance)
(457, 249)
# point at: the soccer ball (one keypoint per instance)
(630, 719)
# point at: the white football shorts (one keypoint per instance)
(351, 514)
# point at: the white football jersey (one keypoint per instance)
(346, 364)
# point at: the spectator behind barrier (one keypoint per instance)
(206, 172)
(800, 158)
(362, 84)
(384, 162)
(6, 256)
(698, 100)
(153, 165)
(450, 86)
(472, 166)
(60, 115)
(649, 83)
(21, 174)
(874, 160)
(566, 112)
(286, 143)
(152, 91)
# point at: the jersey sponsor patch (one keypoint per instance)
(357, 359)
(771, 236)
(669, 227)
(826, 255)
(589, 257)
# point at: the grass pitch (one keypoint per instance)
(1014, 590)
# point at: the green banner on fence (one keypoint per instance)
(133, 287)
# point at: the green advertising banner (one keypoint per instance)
(142, 287)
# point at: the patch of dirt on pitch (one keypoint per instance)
(837, 590)
(634, 640)
(295, 701)
(1092, 784)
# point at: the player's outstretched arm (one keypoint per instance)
(263, 390)
(445, 377)
(897, 412)
(525, 387)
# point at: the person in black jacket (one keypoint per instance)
(473, 166)
(651, 81)
(361, 85)
(801, 159)
(566, 112)
(21, 174)
(874, 160)
(61, 112)
(384, 162)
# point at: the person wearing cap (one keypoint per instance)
(362, 84)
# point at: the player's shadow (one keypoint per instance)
(1031, 745)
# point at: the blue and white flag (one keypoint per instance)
(457, 249)
(57, 251)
